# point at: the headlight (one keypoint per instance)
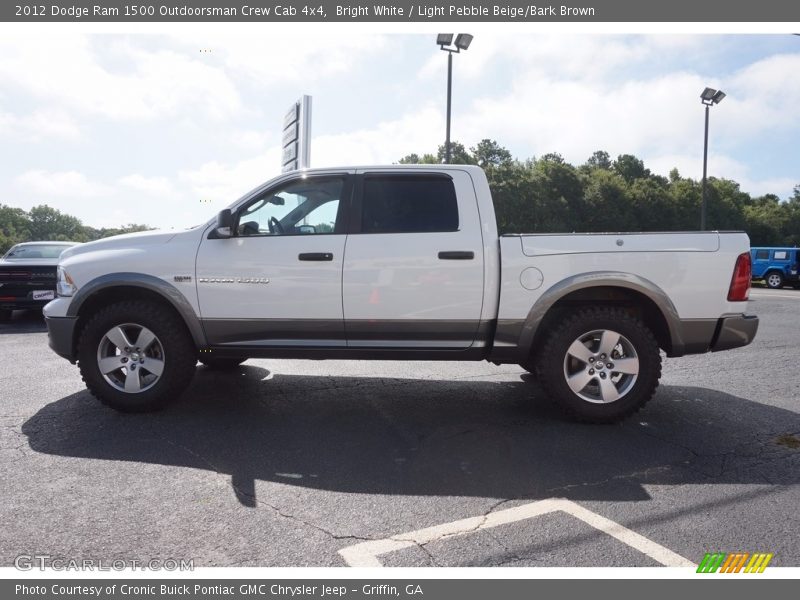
(64, 284)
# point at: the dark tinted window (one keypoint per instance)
(408, 204)
(762, 254)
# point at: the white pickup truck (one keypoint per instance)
(399, 263)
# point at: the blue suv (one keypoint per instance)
(776, 266)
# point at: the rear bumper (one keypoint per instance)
(61, 336)
(734, 332)
(696, 336)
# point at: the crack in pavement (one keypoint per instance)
(242, 493)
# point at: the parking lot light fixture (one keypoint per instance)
(708, 98)
(463, 41)
(445, 42)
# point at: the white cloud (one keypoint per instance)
(47, 184)
(284, 58)
(152, 186)
(219, 183)
(384, 143)
(223, 182)
(39, 126)
(72, 70)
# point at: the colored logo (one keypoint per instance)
(735, 562)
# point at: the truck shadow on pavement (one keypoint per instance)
(429, 437)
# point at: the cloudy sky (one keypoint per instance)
(166, 129)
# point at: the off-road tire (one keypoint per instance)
(179, 355)
(551, 366)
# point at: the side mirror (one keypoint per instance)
(306, 229)
(224, 228)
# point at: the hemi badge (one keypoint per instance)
(182, 278)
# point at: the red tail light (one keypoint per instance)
(740, 282)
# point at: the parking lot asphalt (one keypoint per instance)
(335, 463)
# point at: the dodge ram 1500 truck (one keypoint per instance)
(399, 263)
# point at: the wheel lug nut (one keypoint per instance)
(602, 375)
(124, 359)
(591, 371)
(591, 359)
(602, 356)
(610, 365)
(133, 367)
(127, 349)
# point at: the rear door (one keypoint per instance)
(413, 271)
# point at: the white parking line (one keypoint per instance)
(366, 554)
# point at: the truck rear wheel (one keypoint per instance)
(135, 356)
(601, 365)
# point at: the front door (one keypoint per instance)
(278, 281)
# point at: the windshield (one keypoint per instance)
(37, 251)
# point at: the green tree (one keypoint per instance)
(550, 195)
(630, 167)
(458, 154)
(599, 160)
(416, 159)
(489, 153)
(46, 223)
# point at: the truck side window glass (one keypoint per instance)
(408, 204)
(781, 255)
(762, 254)
(300, 207)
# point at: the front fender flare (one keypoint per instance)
(149, 282)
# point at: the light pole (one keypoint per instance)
(709, 98)
(445, 42)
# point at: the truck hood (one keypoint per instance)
(126, 240)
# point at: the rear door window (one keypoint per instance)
(408, 204)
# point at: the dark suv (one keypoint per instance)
(28, 276)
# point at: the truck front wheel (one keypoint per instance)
(135, 356)
(601, 364)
